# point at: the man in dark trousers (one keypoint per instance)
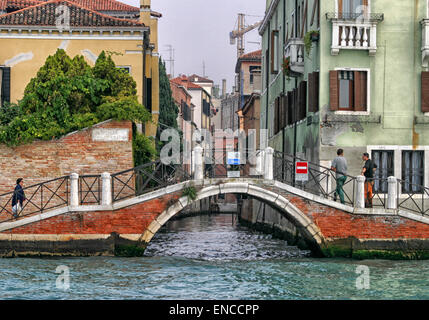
(339, 165)
(368, 171)
(18, 198)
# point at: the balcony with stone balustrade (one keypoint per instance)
(354, 32)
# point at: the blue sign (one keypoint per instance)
(233, 158)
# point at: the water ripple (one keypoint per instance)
(210, 257)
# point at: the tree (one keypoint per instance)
(67, 95)
(168, 111)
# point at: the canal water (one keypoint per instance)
(213, 257)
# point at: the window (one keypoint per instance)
(425, 92)
(4, 85)
(148, 90)
(304, 18)
(274, 51)
(348, 90)
(352, 6)
(254, 70)
(385, 168)
(412, 171)
(313, 92)
(315, 16)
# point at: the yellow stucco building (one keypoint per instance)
(31, 30)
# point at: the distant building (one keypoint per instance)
(229, 107)
(248, 73)
(203, 82)
(183, 100)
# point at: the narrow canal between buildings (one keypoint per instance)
(213, 257)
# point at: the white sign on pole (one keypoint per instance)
(233, 158)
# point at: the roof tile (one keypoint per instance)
(43, 14)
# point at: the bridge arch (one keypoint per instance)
(259, 191)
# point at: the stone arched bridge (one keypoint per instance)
(123, 222)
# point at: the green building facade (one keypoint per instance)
(350, 74)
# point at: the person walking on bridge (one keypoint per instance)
(339, 165)
(368, 171)
(18, 198)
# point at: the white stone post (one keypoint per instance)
(198, 163)
(256, 164)
(192, 161)
(360, 190)
(269, 164)
(392, 187)
(335, 38)
(74, 190)
(373, 37)
(106, 189)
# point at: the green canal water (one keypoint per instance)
(213, 257)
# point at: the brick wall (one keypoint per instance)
(130, 220)
(75, 152)
(337, 224)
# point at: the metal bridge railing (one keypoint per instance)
(379, 197)
(321, 180)
(90, 190)
(412, 197)
(39, 197)
(146, 178)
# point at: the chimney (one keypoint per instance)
(145, 11)
(223, 88)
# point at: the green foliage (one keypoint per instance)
(190, 192)
(308, 40)
(67, 95)
(168, 111)
(143, 149)
(8, 111)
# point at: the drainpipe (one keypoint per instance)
(145, 46)
(267, 80)
(296, 86)
(284, 85)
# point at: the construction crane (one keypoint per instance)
(238, 34)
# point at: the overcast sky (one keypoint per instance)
(198, 30)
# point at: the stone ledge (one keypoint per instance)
(347, 118)
(422, 119)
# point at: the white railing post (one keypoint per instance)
(198, 163)
(373, 39)
(106, 188)
(269, 164)
(392, 187)
(360, 190)
(74, 190)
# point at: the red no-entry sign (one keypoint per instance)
(301, 171)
